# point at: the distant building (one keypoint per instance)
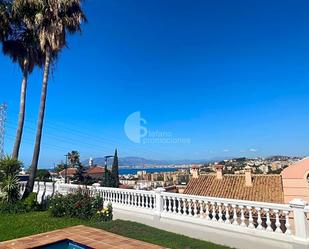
(292, 183)
(265, 188)
(295, 181)
(96, 172)
(68, 173)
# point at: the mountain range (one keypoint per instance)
(140, 161)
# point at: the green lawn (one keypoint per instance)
(15, 226)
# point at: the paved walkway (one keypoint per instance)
(92, 237)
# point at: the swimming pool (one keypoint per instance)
(64, 244)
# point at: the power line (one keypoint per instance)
(86, 137)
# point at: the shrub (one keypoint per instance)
(31, 203)
(78, 205)
(9, 186)
(9, 166)
(9, 189)
(12, 208)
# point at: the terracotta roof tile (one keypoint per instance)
(95, 170)
(265, 188)
(70, 172)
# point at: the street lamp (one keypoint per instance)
(66, 168)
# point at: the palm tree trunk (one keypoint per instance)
(22, 107)
(37, 146)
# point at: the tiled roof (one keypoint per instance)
(95, 170)
(70, 172)
(265, 188)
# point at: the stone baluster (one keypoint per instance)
(287, 222)
(207, 210)
(146, 201)
(170, 205)
(179, 206)
(235, 222)
(174, 205)
(190, 207)
(125, 198)
(135, 200)
(220, 212)
(268, 221)
(251, 225)
(278, 224)
(227, 214)
(142, 200)
(201, 203)
(164, 204)
(213, 211)
(242, 216)
(259, 219)
(195, 203)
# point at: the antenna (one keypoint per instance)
(3, 108)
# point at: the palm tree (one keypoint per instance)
(4, 19)
(73, 157)
(52, 20)
(21, 45)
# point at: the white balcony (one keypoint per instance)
(235, 223)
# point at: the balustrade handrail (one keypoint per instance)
(125, 190)
(267, 205)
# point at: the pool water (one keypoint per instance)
(65, 244)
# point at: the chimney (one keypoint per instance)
(219, 168)
(248, 176)
(195, 172)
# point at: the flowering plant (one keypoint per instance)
(77, 205)
(105, 214)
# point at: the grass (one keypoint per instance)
(20, 225)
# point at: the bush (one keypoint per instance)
(9, 186)
(12, 208)
(9, 166)
(77, 205)
(31, 203)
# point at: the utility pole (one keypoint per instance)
(3, 108)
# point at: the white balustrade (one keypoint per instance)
(265, 218)
(244, 214)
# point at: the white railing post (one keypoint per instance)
(300, 218)
(159, 201)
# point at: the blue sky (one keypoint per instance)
(231, 76)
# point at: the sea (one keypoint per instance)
(125, 171)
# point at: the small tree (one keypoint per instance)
(115, 171)
(9, 185)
